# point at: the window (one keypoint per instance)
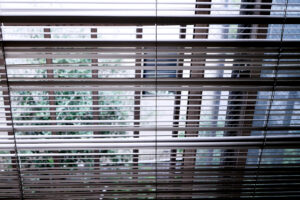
(149, 99)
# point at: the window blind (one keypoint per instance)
(149, 99)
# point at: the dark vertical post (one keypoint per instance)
(52, 101)
(50, 75)
(137, 102)
(195, 97)
(95, 99)
(241, 104)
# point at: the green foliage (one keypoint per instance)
(39, 110)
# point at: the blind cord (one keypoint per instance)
(272, 98)
(12, 119)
